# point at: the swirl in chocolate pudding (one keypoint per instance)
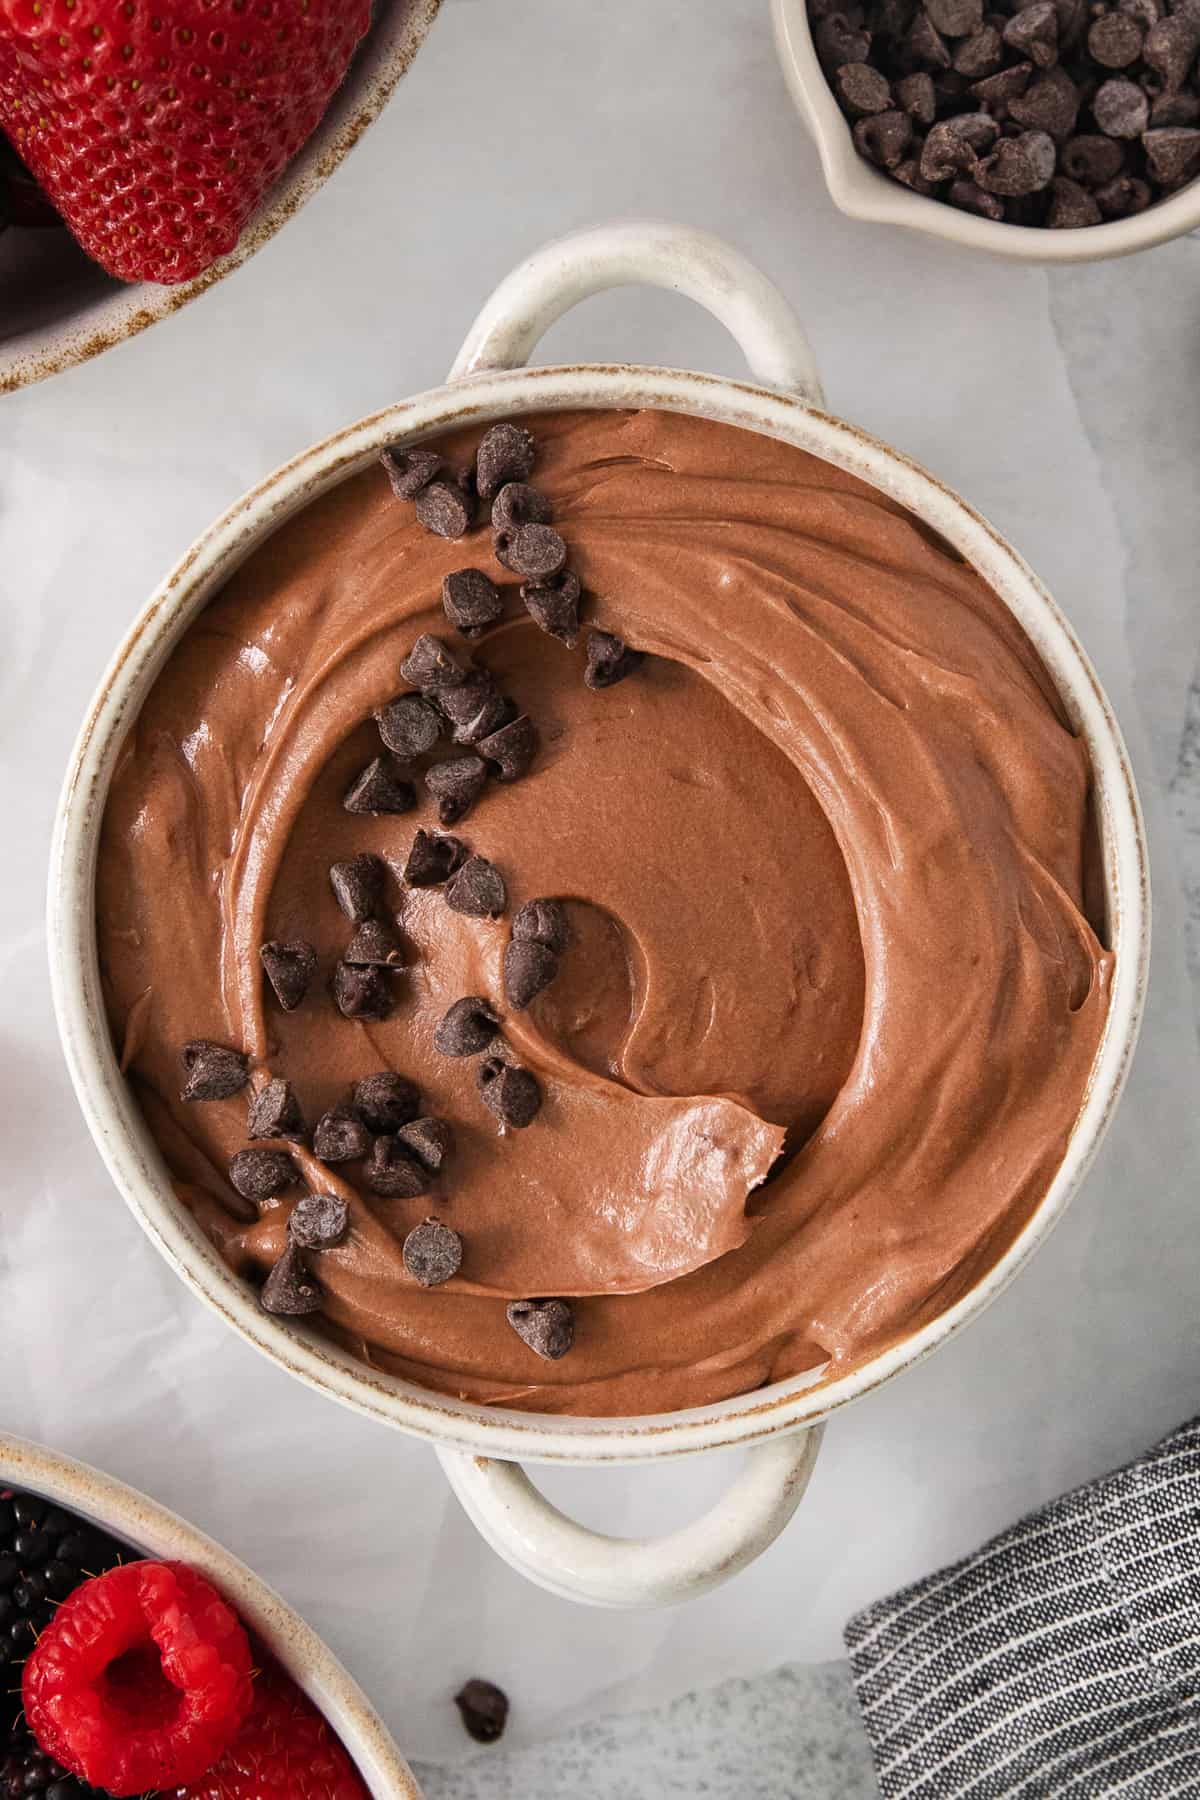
(823, 854)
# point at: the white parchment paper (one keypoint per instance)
(518, 122)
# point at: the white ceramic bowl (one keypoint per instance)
(61, 308)
(159, 1533)
(479, 1446)
(864, 192)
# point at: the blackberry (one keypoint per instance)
(27, 1773)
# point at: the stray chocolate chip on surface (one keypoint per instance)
(543, 922)
(456, 785)
(484, 1709)
(386, 1101)
(289, 1289)
(445, 509)
(275, 1112)
(471, 601)
(261, 1174)
(362, 991)
(554, 606)
(1071, 206)
(340, 1137)
(433, 859)
(510, 749)
(410, 470)
(319, 1222)
(409, 726)
(214, 1071)
(289, 968)
(432, 1253)
(537, 552)
(430, 666)
(478, 890)
(1120, 109)
(528, 968)
(358, 886)
(467, 1027)
(509, 1091)
(884, 138)
(507, 452)
(862, 89)
(609, 660)
(429, 1140)
(518, 504)
(375, 942)
(380, 788)
(475, 708)
(392, 1173)
(547, 1326)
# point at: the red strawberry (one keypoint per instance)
(285, 1749)
(155, 126)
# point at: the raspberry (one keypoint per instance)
(142, 1679)
(284, 1751)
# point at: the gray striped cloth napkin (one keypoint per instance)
(1062, 1659)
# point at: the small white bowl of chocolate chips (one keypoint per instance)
(1046, 130)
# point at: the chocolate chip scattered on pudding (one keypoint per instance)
(745, 838)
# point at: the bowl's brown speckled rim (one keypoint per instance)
(156, 1531)
(396, 34)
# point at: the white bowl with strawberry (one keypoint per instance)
(173, 140)
(143, 1658)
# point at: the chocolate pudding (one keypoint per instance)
(793, 1041)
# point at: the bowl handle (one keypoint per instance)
(561, 273)
(546, 1547)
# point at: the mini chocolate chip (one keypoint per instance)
(358, 886)
(484, 1709)
(261, 1174)
(554, 606)
(375, 942)
(444, 509)
(547, 1326)
(1033, 33)
(954, 146)
(409, 726)
(1172, 153)
(319, 1222)
(456, 785)
(1091, 159)
(1120, 109)
(528, 968)
(1175, 109)
(289, 1289)
(478, 890)
(1070, 206)
(471, 601)
(410, 470)
(536, 552)
(925, 47)
(362, 991)
(996, 91)
(1050, 103)
(517, 504)
(214, 1071)
(275, 1112)
(467, 1028)
(609, 659)
(386, 1101)
(511, 749)
(1123, 197)
(393, 1173)
(1170, 48)
(883, 140)
(543, 922)
(429, 1140)
(979, 55)
(862, 89)
(1019, 165)
(969, 197)
(506, 453)
(380, 788)
(1115, 40)
(340, 1137)
(430, 666)
(433, 859)
(432, 1253)
(290, 968)
(475, 708)
(917, 98)
(509, 1091)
